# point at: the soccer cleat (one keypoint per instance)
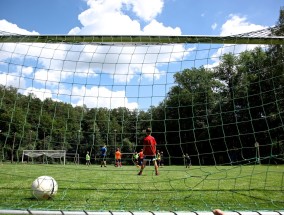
(157, 173)
(140, 173)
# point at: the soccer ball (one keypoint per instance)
(44, 187)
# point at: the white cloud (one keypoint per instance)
(41, 93)
(157, 28)
(144, 9)
(214, 26)
(107, 24)
(147, 9)
(238, 25)
(74, 31)
(12, 79)
(47, 77)
(13, 28)
(101, 97)
(27, 70)
(234, 25)
(110, 17)
(106, 17)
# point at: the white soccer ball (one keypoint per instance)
(44, 187)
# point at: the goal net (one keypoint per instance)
(218, 101)
(44, 155)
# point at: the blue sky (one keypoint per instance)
(50, 71)
(191, 16)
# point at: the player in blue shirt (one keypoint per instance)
(103, 156)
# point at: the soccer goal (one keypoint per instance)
(216, 100)
(44, 154)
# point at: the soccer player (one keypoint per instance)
(162, 159)
(103, 156)
(149, 150)
(88, 159)
(118, 158)
(187, 161)
(135, 158)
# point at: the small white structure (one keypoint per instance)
(48, 153)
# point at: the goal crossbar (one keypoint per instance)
(139, 39)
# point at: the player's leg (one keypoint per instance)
(156, 167)
(104, 159)
(142, 166)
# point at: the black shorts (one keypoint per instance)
(150, 158)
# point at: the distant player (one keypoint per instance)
(88, 159)
(135, 158)
(118, 158)
(162, 159)
(103, 156)
(187, 160)
(149, 150)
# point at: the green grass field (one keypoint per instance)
(199, 188)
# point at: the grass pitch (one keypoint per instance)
(96, 188)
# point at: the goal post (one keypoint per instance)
(61, 212)
(45, 153)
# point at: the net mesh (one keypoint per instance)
(215, 100)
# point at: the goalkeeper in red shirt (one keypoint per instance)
(149, 150)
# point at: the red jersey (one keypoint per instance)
(141, 155)
(149, 144)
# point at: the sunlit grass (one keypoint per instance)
(117, 189)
